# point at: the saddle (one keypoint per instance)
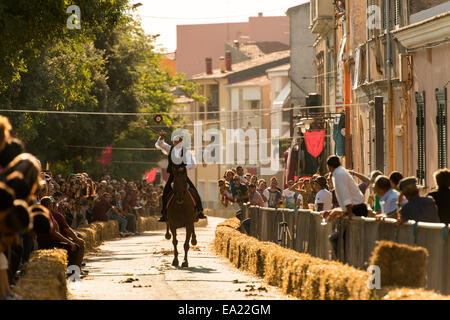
(171, 195)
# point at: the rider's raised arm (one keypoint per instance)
(190, 160)
(163, 146)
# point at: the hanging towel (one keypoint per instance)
(314, 142)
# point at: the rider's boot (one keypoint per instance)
(200, 214)
(164, 215)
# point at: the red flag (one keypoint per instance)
(106, 156)
(314, 142)
(150, 175)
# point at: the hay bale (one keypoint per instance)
(413, 294)
(397, 261)
(45, 276)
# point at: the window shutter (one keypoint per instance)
(397, 13)
(441, 120)
(420, 122)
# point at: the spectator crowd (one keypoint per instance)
(39, 210)
(343, 192)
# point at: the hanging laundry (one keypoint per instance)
(314, 142)
(339, 140)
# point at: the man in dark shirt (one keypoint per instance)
(442, 195)
(101, 206)
(55, 238)
(418, 208)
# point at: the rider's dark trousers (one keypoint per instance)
(168, 189)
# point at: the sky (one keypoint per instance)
(162, 16)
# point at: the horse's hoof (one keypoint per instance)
(194, 242)
(185, 264)
(175, 263)
(168, 236)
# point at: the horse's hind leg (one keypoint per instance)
(189, 230)
(167, 232)
(194, 237)
(175, 251)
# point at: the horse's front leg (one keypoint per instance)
(189, 230)
(175, 251)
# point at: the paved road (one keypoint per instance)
(140, 268)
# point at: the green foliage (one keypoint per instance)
(109, 65)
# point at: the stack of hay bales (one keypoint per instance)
(298, 274)
(310, 278)
(45, 276)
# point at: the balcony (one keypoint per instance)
(321, 16)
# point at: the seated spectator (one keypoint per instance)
(126, 210)
(273, 194)
(65, 230)
(442, 195)
(388, 197)
(54, 238)
(101, 206)
(418, 208)
(241, 191)
(113, 214)
(254, 197)
(324, 198)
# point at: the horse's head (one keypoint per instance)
(179, 183)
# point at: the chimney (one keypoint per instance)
(208, 65)
(260, 14)
(228, 61)
(222, 64)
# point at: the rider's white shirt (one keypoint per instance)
(165, 148)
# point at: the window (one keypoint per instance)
(202, 112)
(254, 104)
(420, 122)
(441, 120)
(213, 103)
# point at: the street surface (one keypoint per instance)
(139, 268)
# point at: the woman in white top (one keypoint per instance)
(324, 198)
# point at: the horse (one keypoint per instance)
(181, 213)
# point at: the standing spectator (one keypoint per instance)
(442, 195)
(240, 173)
(254, 180)
(273, 194)
(395, 178)
(254, 197)
(324, 198)
(225, 193)
(262, 186)
(388, 197)
(348, 194)
(418, 208)
(241, 191)
(291, 198)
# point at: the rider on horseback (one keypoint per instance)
(177, 155)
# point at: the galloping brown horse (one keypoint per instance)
(181, 213)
